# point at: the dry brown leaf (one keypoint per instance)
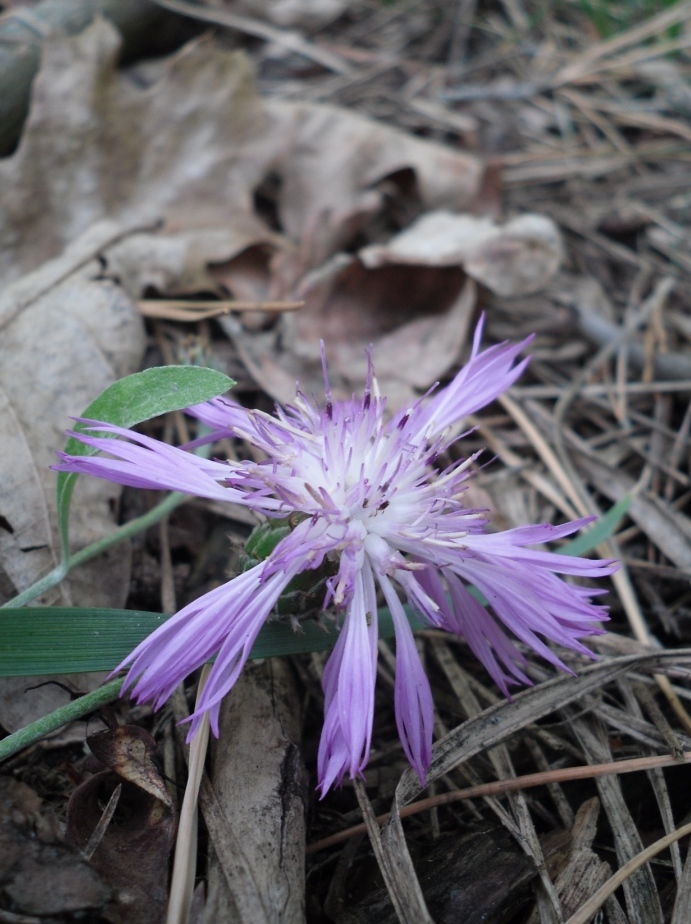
(184, 262)
(332, 164)
(417, 317)
(129, 751)
(192, 148)
(517, 258)
(131, 852)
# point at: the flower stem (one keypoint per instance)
(68, 713)
(126, 531)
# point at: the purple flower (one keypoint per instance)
(376, 507)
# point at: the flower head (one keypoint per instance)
(376, 507)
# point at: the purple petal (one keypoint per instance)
(143, 462)
(412, 695)
(348, 681)
(223, 416)
(484, 377)
(510, 544)
(486, 640)
(251, 610)
(226, 618)
(535, 601)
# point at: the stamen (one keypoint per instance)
(327, 386)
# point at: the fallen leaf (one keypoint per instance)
(130, 752)
(409, 354)
(183, 262)
(66, 335)
(133, 852)
(152, 152)
(516, 258)
(337, 169)
(148, 152)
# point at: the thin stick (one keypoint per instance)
(184, 864)
(173, 309)
(499, 787)
(588, 911)
(103, 823)
(585, 61)
(293, 41)
(605, 388)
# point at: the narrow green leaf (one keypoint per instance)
(131, 400)
(64, 640)
(600, 531)
(67, 640)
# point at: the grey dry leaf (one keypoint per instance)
(98, 144)
(63, 341)
(516, 258)
(191, 147)
(182, 262)
(332, 164)
(65, 335)
(190, 141)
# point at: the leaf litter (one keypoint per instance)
(284, 188)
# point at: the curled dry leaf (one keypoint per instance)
(134, 850)
(338, 169)
(417, 318)
(516, 258)
(182, 263)
(130, 752)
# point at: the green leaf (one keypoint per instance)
(600, 531)
(131, 400)
(65, 640)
